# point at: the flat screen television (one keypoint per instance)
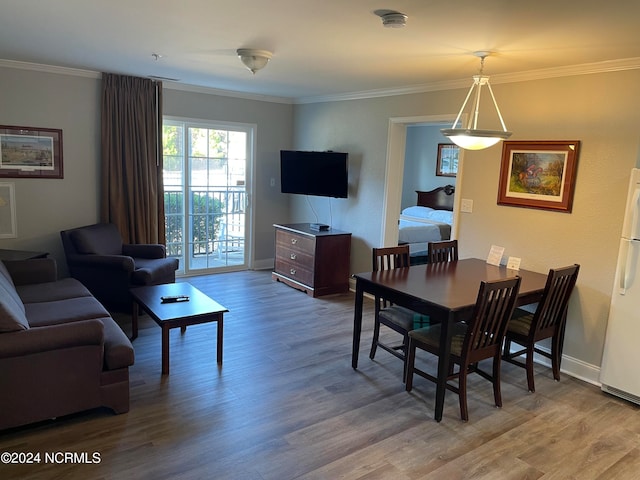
(323, 174)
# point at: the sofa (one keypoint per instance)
(97, 257)
(60, 350)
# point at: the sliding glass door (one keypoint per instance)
(206, 172)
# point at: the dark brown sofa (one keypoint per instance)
(97, 257)
(60, 350)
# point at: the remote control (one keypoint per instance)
(174, 298)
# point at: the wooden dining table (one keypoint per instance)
(447, 292)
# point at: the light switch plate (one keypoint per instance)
(466, 205)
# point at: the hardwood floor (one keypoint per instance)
(286, 404)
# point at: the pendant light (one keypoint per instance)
(471, 137)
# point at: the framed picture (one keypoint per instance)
(538, 174)
(30, 152)
(7, 211)
(447, 160)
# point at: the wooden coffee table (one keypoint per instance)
(199, 309)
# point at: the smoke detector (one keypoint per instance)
(392, 19)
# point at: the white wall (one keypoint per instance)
(71, 102)
(601, 110)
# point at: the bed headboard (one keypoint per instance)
(440, 198)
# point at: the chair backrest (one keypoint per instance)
(444, 251)
(97, 239)
(488, 325)
(388, 258)
(551, 310)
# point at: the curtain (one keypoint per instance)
(131, 184)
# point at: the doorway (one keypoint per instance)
(396, 148)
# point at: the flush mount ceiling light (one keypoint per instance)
(253, 59)
(471, 137)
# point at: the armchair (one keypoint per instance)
(97, 257)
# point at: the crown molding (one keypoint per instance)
(541, 74)
(168, 84)
(38, 67)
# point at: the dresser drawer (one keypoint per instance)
(295, 242)
(295, 257)
(294, 271)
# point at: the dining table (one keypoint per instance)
(446, 292)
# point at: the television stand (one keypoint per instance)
(319, 227)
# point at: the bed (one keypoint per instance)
(428, 221)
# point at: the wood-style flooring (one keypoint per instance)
(286, 404)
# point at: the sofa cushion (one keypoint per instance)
(64, 311)
(99, 239)
(51, 291)
(12, 312)
(8, 287)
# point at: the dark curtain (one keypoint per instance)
(132, 190)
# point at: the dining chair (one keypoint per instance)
(477, 339)
(395, 317)
(443, 251)
(548, 321)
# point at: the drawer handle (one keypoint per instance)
(293, 256)
(292, 271)
(294, 241)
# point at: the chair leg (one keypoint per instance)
(556, 357)
(529, 366)
(462, 392)
(374, 342)
(405, 350)
(497, 393)
(409, 364)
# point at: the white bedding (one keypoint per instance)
(420, 225)
(412, 231)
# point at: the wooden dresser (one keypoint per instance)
(315, 262)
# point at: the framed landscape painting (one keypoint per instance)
(30, 152)
(538, 174)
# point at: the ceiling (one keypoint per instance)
(320, 48)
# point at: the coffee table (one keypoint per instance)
(199, 309)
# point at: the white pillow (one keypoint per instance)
(420, 212)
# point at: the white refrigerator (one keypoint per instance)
(618, 373)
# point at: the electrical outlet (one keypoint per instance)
(273, 182)
(466, 205)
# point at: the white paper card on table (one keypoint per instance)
(513, 263)
(495, 255)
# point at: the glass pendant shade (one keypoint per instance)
(253, 59)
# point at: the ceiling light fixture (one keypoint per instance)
(253, 59)
(394, 19)
(472, 138)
